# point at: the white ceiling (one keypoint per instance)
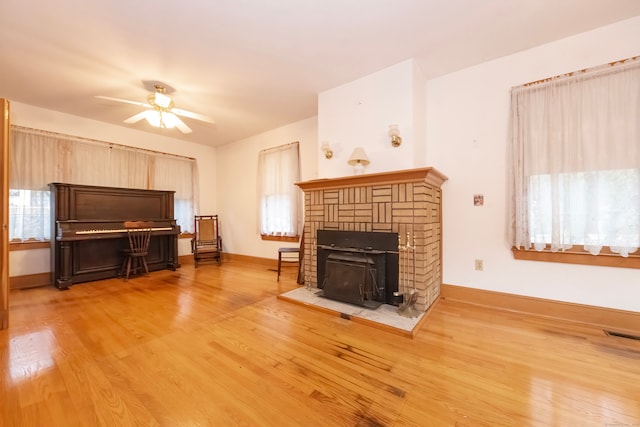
(254, 65)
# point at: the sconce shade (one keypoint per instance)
(358, 157)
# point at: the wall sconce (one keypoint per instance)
(394, 133)
(326, 149)
(358, 160)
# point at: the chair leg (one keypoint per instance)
(279, 264)
(126, 277)
(146, 268)
(123, 268)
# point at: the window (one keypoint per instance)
(38, 158)
(29, 215)
(575, 162)
(589, 210)
(279, 198)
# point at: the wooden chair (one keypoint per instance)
(206, 245)
(292, 255)
(287, 255)
(139, 234)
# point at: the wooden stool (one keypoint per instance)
(287, 257)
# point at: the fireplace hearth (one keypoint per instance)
(357, 267)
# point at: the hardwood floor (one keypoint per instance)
(214, 346)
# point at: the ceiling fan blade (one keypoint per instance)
(192, 115)
(135, 118)
(182, 127)
(126, 101)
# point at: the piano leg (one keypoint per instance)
(64, 281)
(173, 263)
(63, 285)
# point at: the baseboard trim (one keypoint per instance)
(272, 263)
(30, 281)
(225, 256)
(609, 318)
(185, 259)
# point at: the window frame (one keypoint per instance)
(577, 254)
(296, 209)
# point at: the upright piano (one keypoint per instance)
(88, 239)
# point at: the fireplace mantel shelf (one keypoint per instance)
(429, 175)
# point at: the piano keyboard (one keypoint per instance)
(123, 230)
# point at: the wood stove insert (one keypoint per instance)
(358, 267)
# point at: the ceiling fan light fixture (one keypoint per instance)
(162, 100)
(160, 111)
(161, 119)
(169, 119)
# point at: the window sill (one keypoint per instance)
(576, 256)
(280, 238)
(27, 245)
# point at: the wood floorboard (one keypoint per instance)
(213, 346)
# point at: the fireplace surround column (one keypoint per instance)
(407, 202)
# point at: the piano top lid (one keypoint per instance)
(114, 221)
(53, 185)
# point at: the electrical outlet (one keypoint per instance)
(479, 265)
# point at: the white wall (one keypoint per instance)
(467, 124)
(237, 198)
(37, 261)
(358, 114)
(419, 113)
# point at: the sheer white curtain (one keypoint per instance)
(575, 161)
(39, 157)
(177, 174)
(34, 161)
(105, 165)
(279, 198)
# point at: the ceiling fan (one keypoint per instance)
(161, 112)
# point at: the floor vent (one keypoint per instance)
(622, 335)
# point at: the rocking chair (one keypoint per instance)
(206, 245)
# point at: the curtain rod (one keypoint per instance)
(280, 147)
(583, 71)
(34, 131)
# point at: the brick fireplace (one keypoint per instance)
(406, 202)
